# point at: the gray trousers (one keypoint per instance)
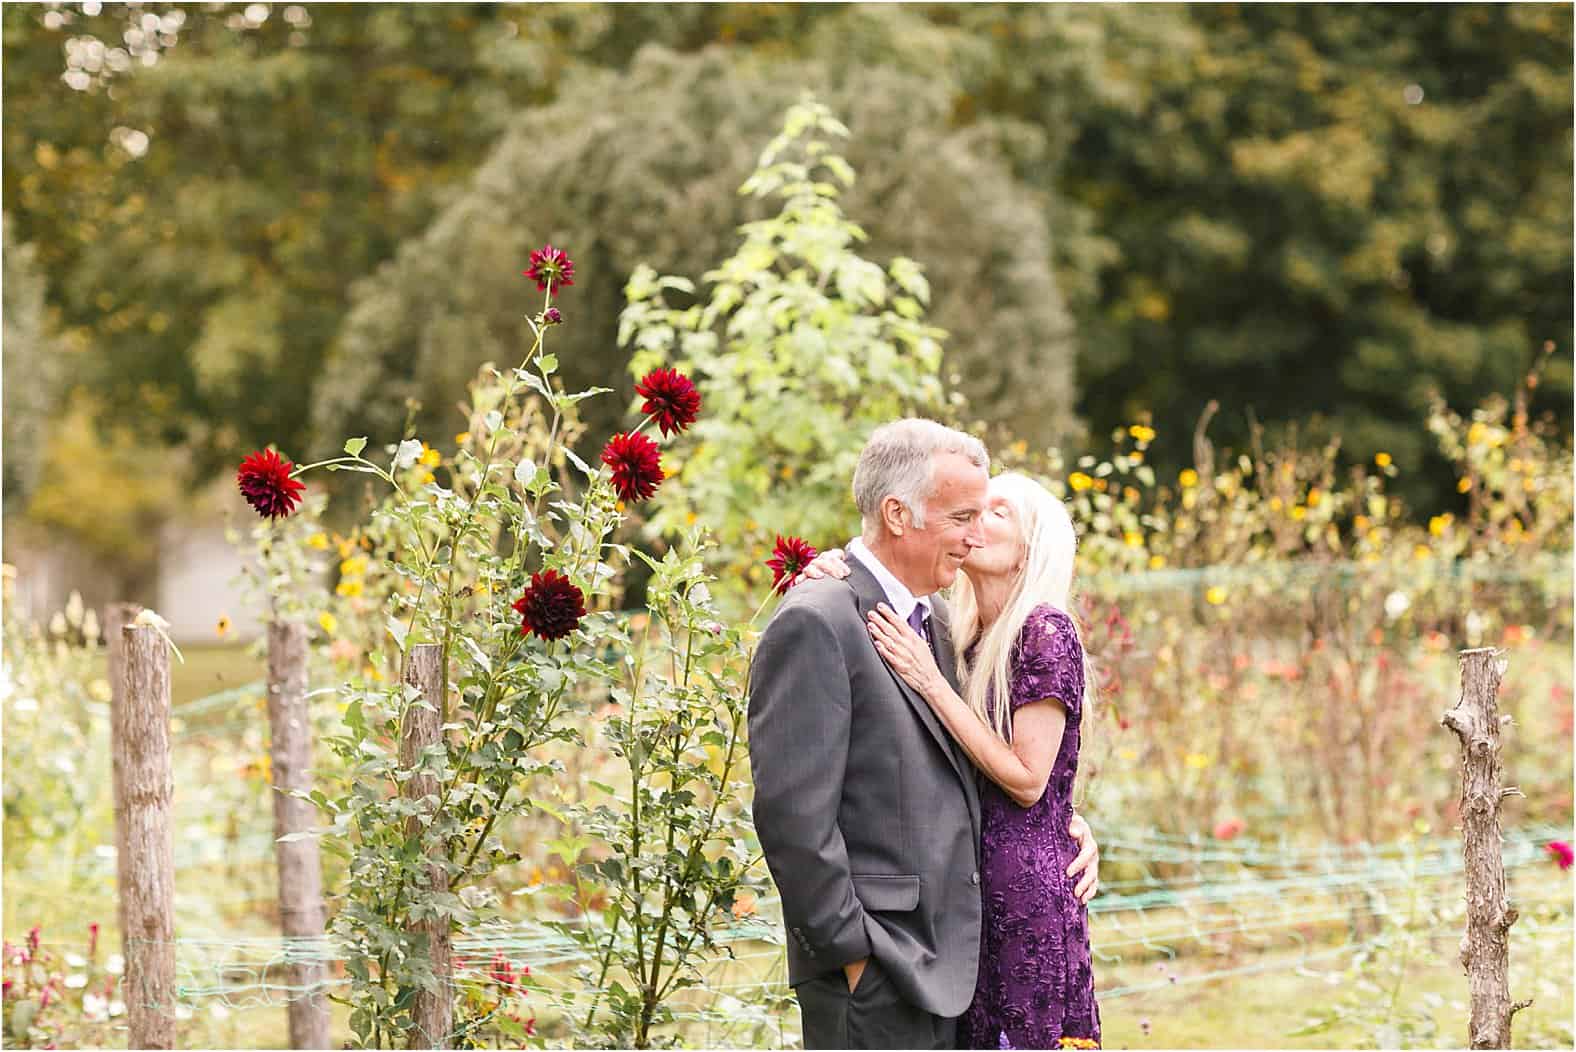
(875, 1015)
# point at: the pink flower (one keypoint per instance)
(264, 480)
(551, 269)
(789, 558)
(671, 399)
(1227, 829)
(1561, 852)
(636, 464)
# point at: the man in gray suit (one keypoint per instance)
(867, 811)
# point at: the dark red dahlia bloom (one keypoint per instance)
(1561, 853)
(553, 316)
(636, 464)
(551, 269)
(788, 560)
(551, 607)
(671, 398)
(264, 478)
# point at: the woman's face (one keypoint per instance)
(1002, 552)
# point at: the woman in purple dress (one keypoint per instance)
(1016, 641)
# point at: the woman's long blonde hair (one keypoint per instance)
(1045, 576)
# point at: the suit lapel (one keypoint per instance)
(869, 593)
(946, 656)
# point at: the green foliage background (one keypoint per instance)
(1317, 214)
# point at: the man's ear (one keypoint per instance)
(895, 516)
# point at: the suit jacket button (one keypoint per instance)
(974, 878)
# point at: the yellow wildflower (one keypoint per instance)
(1360, 522)
(1079, 481)
(222, 627)
(349, 586)
(1197, 761)
(1188, 478)
(426, 477)
(1133, 539)
(329, 622)
(430, 457)
(1422, 552)
(1315, 495)
(787, 471)
(1275, 504)
(462, 438)
(1157, 562)
(1476, 433)
(1382, 459)
(1130, 494)
(1215, 596)
(1464, 486)
(1299, 513)
(1440, 523)
(690, 518)
(346, 545)
(1020, 447)
(353, 567)
(1142, 433)
(318, 540)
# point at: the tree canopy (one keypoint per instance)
(251, 222)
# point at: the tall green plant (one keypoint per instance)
(800, 348)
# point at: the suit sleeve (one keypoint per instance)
(800, 709)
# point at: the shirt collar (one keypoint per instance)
(899, 598)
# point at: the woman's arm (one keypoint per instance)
(1022, 768)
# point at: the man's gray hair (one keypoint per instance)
(899, 461)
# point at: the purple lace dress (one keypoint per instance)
(1035, 984)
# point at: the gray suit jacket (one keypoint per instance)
(866, 810)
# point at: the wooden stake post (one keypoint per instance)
(147, 867)
(301, 910)
(433, 1012)
(1485, 949)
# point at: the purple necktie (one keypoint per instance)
(917, 621)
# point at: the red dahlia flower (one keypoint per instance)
(551, 269)
(636, 464)
(265, 482)
(1561, 852)
(551, 607)
(789, 558)
(670, 398)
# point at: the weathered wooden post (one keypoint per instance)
(116, 617)
(147, 871)
(301, 911)
(433, 1012)
(1485, 948)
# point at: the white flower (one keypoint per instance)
(116, 963)
(95, 1008)
(1396, 604)
(117, 1008)
(26, 705)
(407, 453)
(76, 981)
(1476, 623)
(218, 1010)
(76, 960)
(183, 1011)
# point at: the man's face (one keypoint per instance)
(931, 555)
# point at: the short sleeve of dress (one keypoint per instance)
(1048, 662)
